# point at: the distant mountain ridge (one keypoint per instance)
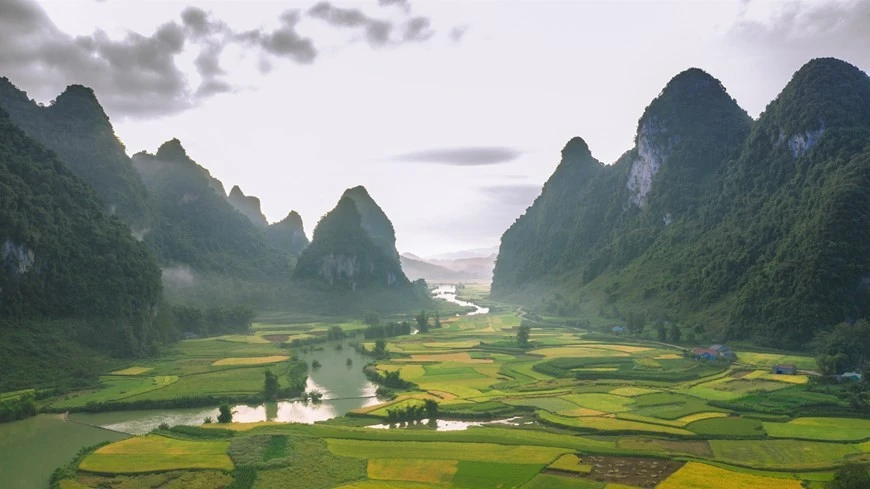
(449, 270)
(756, 229)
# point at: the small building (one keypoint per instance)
(617, 329)
(850, 376)
(784, 369)
(705, 354)
(723, 351)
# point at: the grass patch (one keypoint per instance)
(154, 453)
(695, 475)
(310, 464)
(632, 391)
(277, 448)
(488, 475)
(415, 470)
(250, 360)
(608, 403)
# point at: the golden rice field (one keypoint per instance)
(132, 371)
(153, 453)
(414, 470)
(250, 360)
(695, 475)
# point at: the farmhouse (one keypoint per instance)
(851, 376)
(784, 369)
(723, 351)
(705, 354)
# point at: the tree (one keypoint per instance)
(523, 335)
(422, 322)
(335, 333)
(851, 476)
(372, 319)
(431, 409)
(380, 349)
(676, 334)
(226, 414)
(270, 386)
(636, 323)
(437, 321)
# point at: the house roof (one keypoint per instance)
(787, 366)
(701, 351)
(719, 347)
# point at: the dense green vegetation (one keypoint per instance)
(288, 234)
(344, 255)
(757, 229)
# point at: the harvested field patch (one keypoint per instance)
(623, 348)
(250, 360)
(631, 471)
(446, 345)
(415, 470)
(546, 480)
(696, 475)
(132, 371)
(581, 412)
(691, 418)
(276, 338)
(243, 338)
(153, 453)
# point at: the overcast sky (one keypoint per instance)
(451, 113)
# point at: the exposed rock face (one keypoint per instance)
(650, 156)
(800, 143)
(249, 206)
(374, 221)
(17, 257)
(344, 255)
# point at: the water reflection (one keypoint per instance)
(451, 424)
(448, 293)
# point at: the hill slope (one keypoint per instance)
(756, 230)
(62, 257)
(288, 234)
(75, 127)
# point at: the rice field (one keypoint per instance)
(828, 429)
(250, 360)
(695, 475)
(414, 470)
(153, 453)
(132, 371)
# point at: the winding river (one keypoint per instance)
(342, 383)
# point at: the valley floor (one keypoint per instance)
(576, 410)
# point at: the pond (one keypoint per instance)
(452, 424)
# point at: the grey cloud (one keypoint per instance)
(521, 195)
(457, 33)
(378, 32)
(138, 76)
(800, 31)
(470, 156)
(284, 42)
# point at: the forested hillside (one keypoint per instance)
(197, 227)
(75, 127)
(62, 257)
(344, 255)
(757, 229)
(288, 234)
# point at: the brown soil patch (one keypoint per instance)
(631, 471)
(276, 338)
